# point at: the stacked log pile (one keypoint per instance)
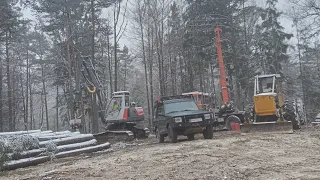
(27, 148)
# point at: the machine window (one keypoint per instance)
(265, 85)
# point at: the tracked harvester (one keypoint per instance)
(271, 113)
(124, 121)
(120, 119)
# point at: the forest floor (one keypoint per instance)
(230, 155)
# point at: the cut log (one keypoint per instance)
(47, 138)
(64, 132)
(15, 164)
(50, 133)
(70, 147)
(90, 149)
(68, 140)
(27, 154)
(19, 132)
(42, 133)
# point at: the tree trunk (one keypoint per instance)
(27, 93)
(213, 85)
(95, 125)
(68, 55)
(15, 104)
(41, 111)
(93, 33)
(110, 66)
(125, 75)
(23, 101)
(11, 125)
(32, 123)
(57, 108)
(115, 50)
(45, 94)
(159, 63)
(182, 77)
(1, 98)
(144, 62)
(150, 57)
(161, 39)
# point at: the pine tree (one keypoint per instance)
(272, 44)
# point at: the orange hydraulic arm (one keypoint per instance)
(223, 81)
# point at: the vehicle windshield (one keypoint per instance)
(265, 85)
(180, 106)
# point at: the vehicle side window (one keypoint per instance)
(160, 111)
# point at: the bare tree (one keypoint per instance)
(118, 33)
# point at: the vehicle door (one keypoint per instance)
(160, 119)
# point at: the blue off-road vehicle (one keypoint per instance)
(178, 115)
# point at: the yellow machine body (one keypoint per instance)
(265, 105)
(268, 103)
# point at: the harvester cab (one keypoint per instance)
(124, 120)
(270, 112)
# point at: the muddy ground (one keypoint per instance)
(229, 155)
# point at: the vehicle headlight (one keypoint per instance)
(223, 107)
(178, 119)
(207, 116)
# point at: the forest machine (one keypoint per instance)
(120, 119)
(226, 114)
(271, 113)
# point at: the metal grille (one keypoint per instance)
(187, 118)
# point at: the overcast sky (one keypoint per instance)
(283, 5)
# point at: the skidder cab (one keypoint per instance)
(270, 113)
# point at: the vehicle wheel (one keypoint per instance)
(232, 119)
(190, 137)
(172, 134)
(159, 136)
(208, 133)
(290, 115)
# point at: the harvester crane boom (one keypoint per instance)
(223, 80)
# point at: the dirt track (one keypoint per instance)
(227, 156)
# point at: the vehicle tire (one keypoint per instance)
(232, 119)
(208, 132)
(190, 137)
(290, 115)
(172, 134)
(159, 136)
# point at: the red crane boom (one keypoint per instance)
(223, 80)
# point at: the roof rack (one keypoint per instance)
(161, 99)
(121, 93)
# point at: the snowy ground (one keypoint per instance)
(227, 156)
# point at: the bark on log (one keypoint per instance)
(50, 133)
(68, 140)
(90, 149)
(70, 147)
(27, 154)
(19, 132)
(15, 164)
(52, 137)
(22, 163)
